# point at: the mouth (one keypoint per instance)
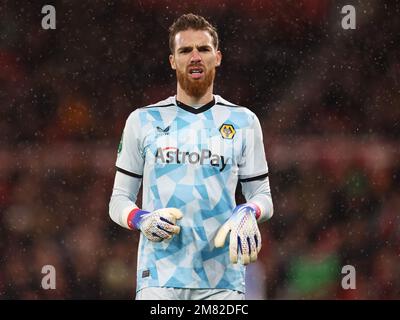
(196, 72)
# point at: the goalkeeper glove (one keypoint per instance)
(157, 225)
(245, 235)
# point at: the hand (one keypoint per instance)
(157, 225)
(245, 235)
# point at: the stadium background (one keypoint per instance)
(328, 100)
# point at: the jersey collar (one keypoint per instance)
(195, 110)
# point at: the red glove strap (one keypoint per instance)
(131, 216)
(258, 210)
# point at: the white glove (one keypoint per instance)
(245, 236)
(157, 225)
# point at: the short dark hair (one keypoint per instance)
(191, 21)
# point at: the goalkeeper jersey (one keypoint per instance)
(191, 159)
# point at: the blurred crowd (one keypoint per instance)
(328, 100)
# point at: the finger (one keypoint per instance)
(253, 256)
(154, 237)
(234, 246)
(258, 241)
(219, 239)
(171, 228)
(162, 233)
(175, 213)
(253, 249)
(246, 251)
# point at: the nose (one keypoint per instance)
(195, 56)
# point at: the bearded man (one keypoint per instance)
(191, 150)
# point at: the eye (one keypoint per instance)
(204, 49)
(185, 50)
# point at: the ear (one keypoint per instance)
(172, 61)
(219, 58)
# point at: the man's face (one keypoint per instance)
(195, 60)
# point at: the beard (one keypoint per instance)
(195, 87)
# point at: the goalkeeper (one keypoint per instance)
(190, 151)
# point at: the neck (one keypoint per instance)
(182, 96)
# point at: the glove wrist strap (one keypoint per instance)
(134, 218)
(256, 209)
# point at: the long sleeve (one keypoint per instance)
(123, 198)
(253, 171)
(129, 164)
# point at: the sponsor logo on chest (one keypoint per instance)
(204, 157)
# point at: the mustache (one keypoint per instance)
(196, 64)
